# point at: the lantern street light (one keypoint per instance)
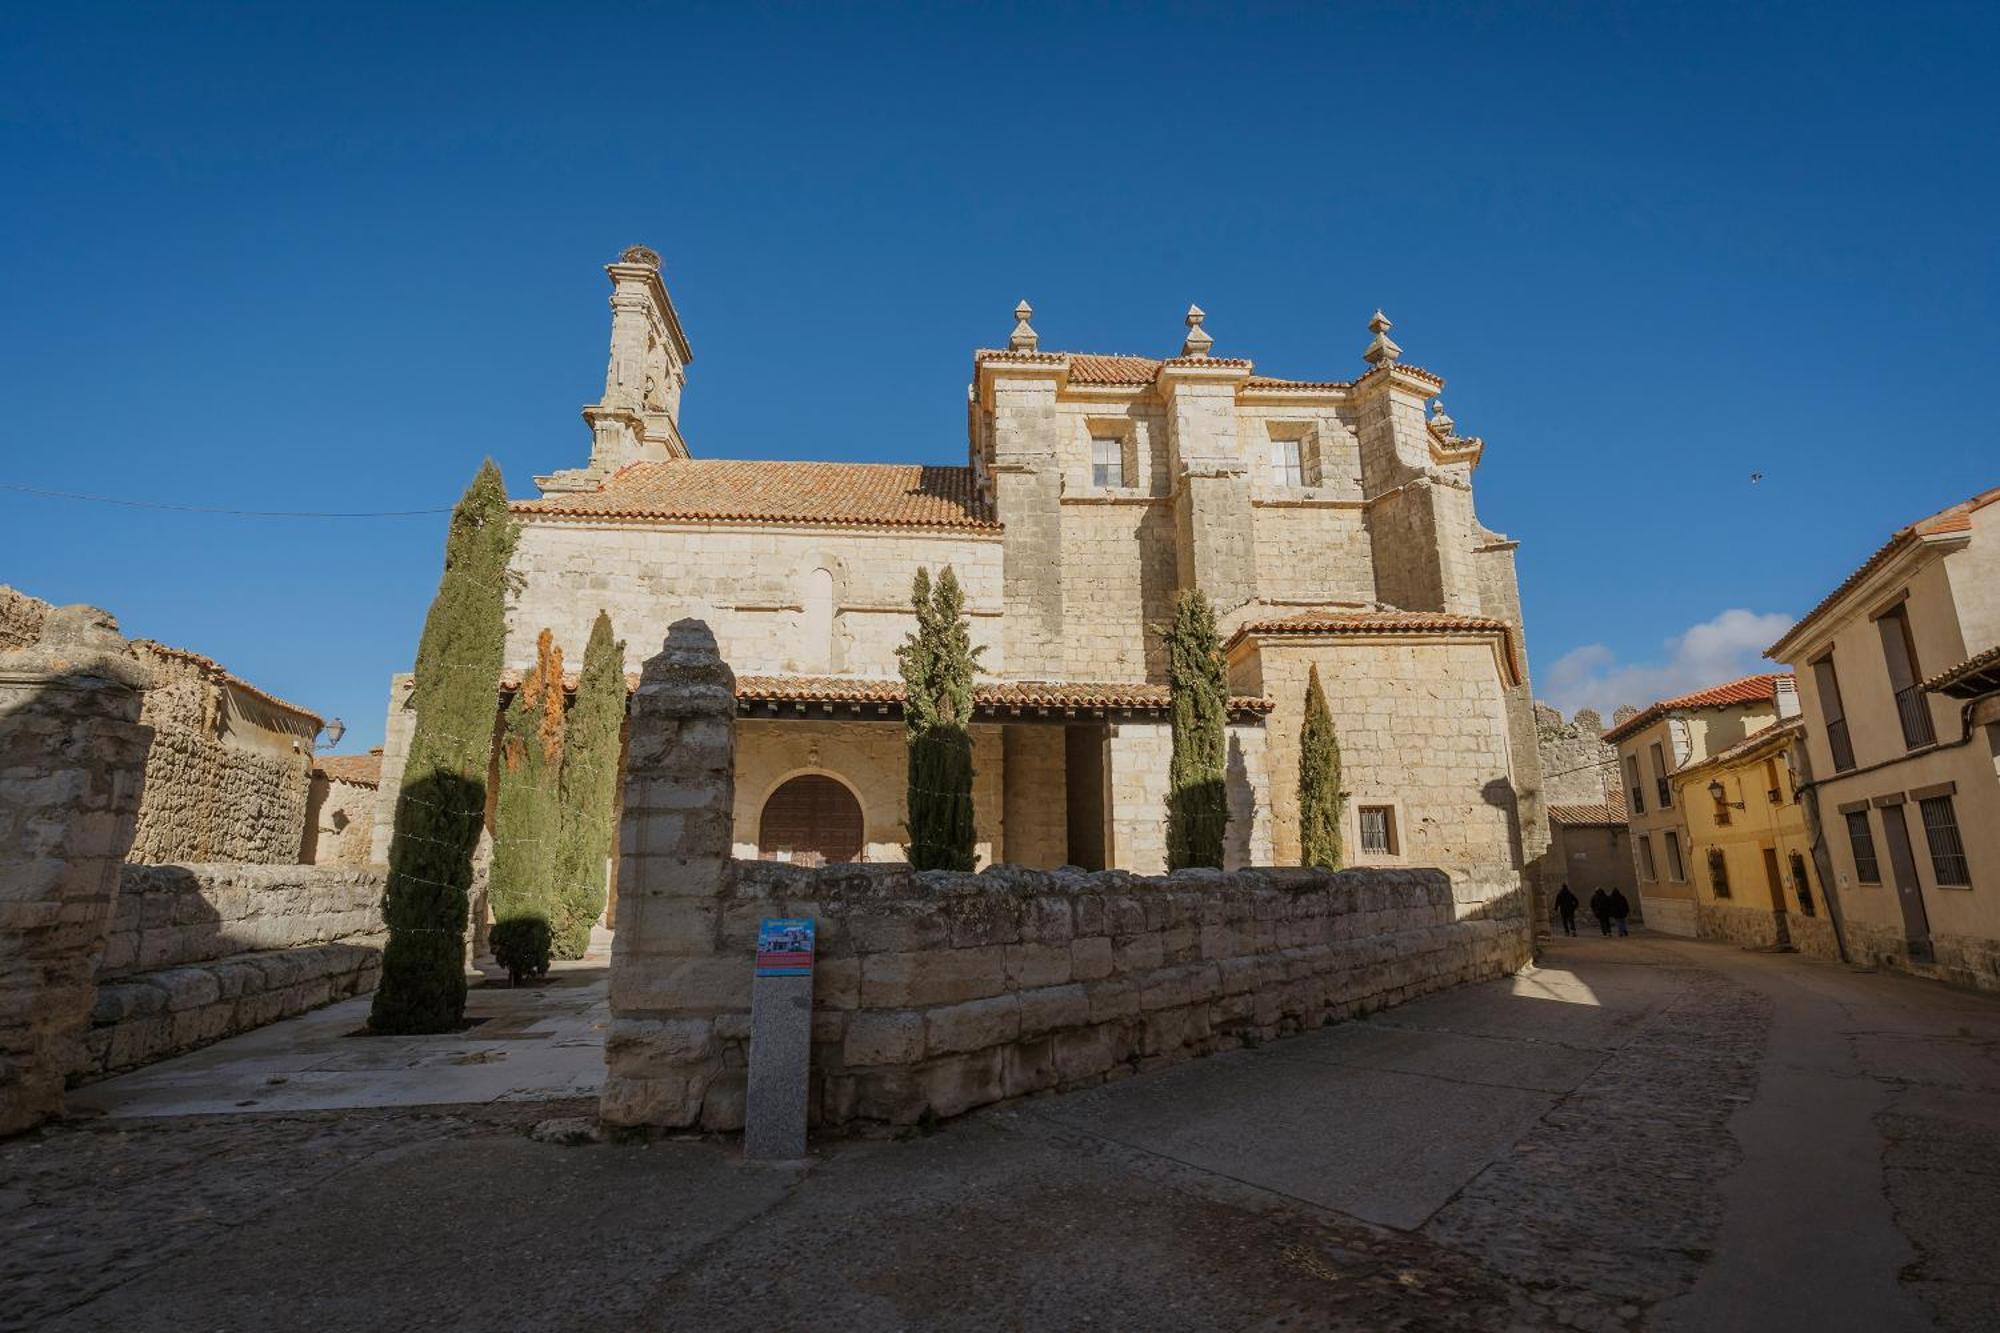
(334, 731)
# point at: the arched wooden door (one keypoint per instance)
(810, 820)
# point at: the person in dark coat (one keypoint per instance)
(1567, 904)
(1600, 907)
(1620, 909)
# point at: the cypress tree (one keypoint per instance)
(1197, 801)
(1319, 781)
(442, 802)
(938, 661)
(527, 809)
(589, 789)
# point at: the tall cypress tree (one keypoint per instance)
(1319, 781)
(442, 801)
(527, 809)
(1197, 800)
(938, 661)
(589, 789)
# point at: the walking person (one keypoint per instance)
(1566, 904)
(1620, 909)
(1600, 907)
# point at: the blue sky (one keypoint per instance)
(274, 257)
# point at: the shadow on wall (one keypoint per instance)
(1500, 794)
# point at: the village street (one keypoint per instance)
(1641, 1133)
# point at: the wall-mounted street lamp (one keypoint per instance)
(1719, 794)
(334, 731)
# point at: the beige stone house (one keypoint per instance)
(1652, 745)
(1902, 738)
(340, 809)
(1329, 518)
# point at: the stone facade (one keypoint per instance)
(72, 758)
(198, 953)
(936, 993)
(1094, 490)
(340, 810)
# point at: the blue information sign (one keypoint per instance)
(785, 947)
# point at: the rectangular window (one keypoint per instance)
(1636, 792)
(1718, 872)
(1801, 885)
(1947, 850)
(1107, 461)
(1285, 467)
(1774, 793)
(1837, 740)
(1675, 870)
(1378, 830)
(1665, 793)
(1646, 868)
(1862, 839)
(1899, 652)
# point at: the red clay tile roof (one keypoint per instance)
(723, 490)
(1976, 675)
(361, 770)
(1745, 690)
(986, 695)
(1952, 518)
(1782, 730)
(1381, 622)
(1610, 811)
(1112, 371)
(1090, 368)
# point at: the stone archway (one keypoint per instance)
(811, 820)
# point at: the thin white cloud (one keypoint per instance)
(1709, 653)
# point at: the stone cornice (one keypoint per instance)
(649, 274)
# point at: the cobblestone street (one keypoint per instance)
(1639, 1134)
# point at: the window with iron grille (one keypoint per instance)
(1837, 740)
(1947, 850)
(1899, 653)
(1676, 871)
(1800, 885)
(1666, 793)
(1718, 872)
(1107, 461)
(1378, 829)
(1646, 869)
(1285, 466)
(1862, 839)
(1632, 781)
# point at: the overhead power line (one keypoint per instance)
(215, 509)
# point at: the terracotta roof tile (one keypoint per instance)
(719, 490)
(1610, 811)
(1952, 518)
(1745, 690)
(1116, 371)
(1976, 675)
(362, 770)
(1782, 730)
(216, 669)
(1381, 622)
(992, 695)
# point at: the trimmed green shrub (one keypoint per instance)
(938, 661)
(1319, 781)
(521, 945)
(589, 790)
(1197, 800)
(442, 801)
(527, 811)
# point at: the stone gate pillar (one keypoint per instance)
(72, 763)
(667, 979)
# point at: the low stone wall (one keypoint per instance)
(156, 1014)
(198, 953)
(1757, 928)
(1960, 960)
(935, 993)
(169, 916)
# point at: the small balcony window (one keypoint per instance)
(1947, 848)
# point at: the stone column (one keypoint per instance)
(668, 980)
(72, 764)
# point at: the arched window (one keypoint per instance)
(810, 820)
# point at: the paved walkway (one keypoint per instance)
(1641, 1134)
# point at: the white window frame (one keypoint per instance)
(1288, 462)
(1116, 446)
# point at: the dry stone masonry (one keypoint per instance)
(934, 992)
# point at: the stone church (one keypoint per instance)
(1330, 519)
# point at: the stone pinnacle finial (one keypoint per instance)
(1441, 418)
(639, 254)
(1198, 340)
(1025, 339)
(1383, 350)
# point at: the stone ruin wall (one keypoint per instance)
(21, 618)
(1578, 766)
(934, 992)
(195, 953)
(207, 800)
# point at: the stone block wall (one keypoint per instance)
(340, 821)
(21, 618)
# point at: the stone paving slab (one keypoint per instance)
(1497, 1061)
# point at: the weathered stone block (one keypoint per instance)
(882, 1037)
(972, 1025)
(898, 980)
(1053, 1007)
